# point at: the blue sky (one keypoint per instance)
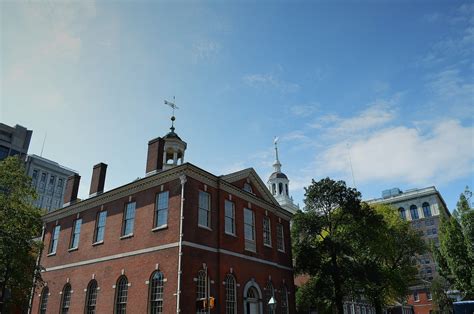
(388, 85)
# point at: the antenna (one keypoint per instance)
(44, 140)
(350, 162)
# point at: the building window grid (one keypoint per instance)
(269, 293)
(54, 239)
(267, 236)
(91, 300)
(161, 211)
(249, 229)
(229, 217)
(204, 214)
(44, 301)
(280, 238)
(100, 226)
(230, 295)
(122, 295)
(156, 293)
(426, 210)
(76, 233)
(201, 288)
(66, 299)
(129, 219)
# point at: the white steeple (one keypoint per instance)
(278, 184)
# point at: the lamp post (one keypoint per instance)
(272, 304)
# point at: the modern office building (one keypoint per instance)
(175, 241)
(423, 208)
(49, 179)
(14, 141)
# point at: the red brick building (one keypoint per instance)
(122, 250)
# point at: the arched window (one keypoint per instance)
(121, 295)
(269, 293)
(280, 188)
(402, 213)
(66, 299)
(91, 298)
(230, 295)
(414, 212)
(248, 187)
(284, 300)
(44, 300)
(286, 189)
(201, 288)
(273, 188)
(156, 292)
(426, 210)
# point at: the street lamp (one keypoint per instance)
(272, 304)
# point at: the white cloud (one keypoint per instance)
(270, 81)
(377, 114)
(304, 110)
(405, 154)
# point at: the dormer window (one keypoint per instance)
(248, 188)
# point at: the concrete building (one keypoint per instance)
(423, 208)
(49, 179)
(278, 184)
(14, 141)
(168, 242)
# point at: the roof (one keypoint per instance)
(279, 175)
(172, 134)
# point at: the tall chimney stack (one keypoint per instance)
(154, 161)
(72, 187)
(98, 179)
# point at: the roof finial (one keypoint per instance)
(275, 141)
(173, 106)
(276, 164)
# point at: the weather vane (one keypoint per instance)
(173, 106)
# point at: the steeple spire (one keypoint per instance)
(276, 164)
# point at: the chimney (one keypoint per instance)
(72, 187)
(154, 161)
(98, 179)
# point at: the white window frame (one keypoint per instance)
(229, 218)
(280, 238)
(53, 246)
(250, 243)
(164, 194)
(202, 209)
(267, 231)
(76, 234)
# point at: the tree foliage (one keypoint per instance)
(350, 249)
(386, 260)
(20, 223)
(454, 256)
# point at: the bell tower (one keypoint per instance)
(278, 184)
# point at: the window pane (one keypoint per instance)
(100, 226)
(229, 217)
(161, 214)
(54, 240)
(204, 209)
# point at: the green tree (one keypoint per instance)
(20, 223)
(441, 302)
(387, 256)
(323, 247)
(454, 256)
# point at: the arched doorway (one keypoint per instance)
(252, 298)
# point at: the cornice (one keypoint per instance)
(159, 178)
